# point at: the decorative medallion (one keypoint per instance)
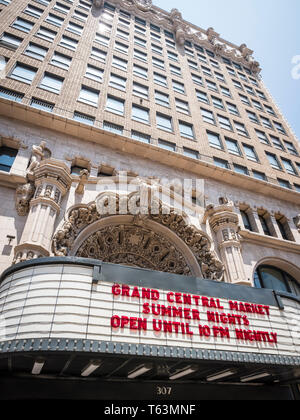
(143, 5)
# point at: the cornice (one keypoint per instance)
(186, 31)
(200, 168)
(269, 241)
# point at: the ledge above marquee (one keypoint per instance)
(186, 31)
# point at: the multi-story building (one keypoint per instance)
(91, 92)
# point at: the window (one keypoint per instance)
(259, 175)
(136, 135)
(89, 96)
(224, 123)
(22, 25)
(269, 277)
(197, 79)
(233, 147)
(257, 105)
(178, 87)
(139, 55)
(297, 188)
(225, 91)
(76, 29)
(288, 166)
(212, 85)
(206, 71)
(11, 94)
(217, 102)
(140, 114)
(250, 152)
(140, 71)
(68, 42)
(202, 96)
(245, 100)
(237, 84)
(277, 143)
(23, 73)
(172, 56)
(10, 41)
(284, 184)
(214, 140)
(160, 79)
(115, 105)
(190, 153)
(122, 34)
(36, 51)
(182, 106)
(279, 127)
(246, 220)
(51, 82)
(121, 47)
(262, 137)
(75, 170)
(192, 64)
(54, 20)
(167, 145)
(119, 63)
(164, 122)
(59, 7)
(270, 110)
(33, 11)
(113, 128)
(283, 228)
(232, 108)
(208, 116)
(264, 225)
(101, 39)
(175, 70)
(162, 99)
(253, 117)
(80, 16)
(7, 158)
(273, 161)
(266, 122)
(240, 169)
(261, 95)
(219, 76)
(117, 82)
(43, 105)
(291, 148)
(221, 163)
(140, 42)
(250, 90)
(97, 54)
(61, 60)
(186, 130)
(140, 90)
(241, 129)
(94, 73)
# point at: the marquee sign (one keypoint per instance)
(187, 315)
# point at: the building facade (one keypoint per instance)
(132, 138)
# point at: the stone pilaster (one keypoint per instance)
(225, 224)
(52, 180)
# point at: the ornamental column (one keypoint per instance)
(225, 224)
(52, 180)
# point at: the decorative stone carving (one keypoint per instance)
(24, 194)
(83, 179)
(37, 157)
(143, 5)
(297, 222)
(98, 3)
(225, 223)
(134, 246)
(179, 27)
(82, 216)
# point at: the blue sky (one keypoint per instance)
(269, 27)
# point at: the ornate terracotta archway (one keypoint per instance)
(176, 247)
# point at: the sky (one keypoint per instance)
(271, 28)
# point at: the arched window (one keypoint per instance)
(269, 277)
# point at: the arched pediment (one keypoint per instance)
(81, 217)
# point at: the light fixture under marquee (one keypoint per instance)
(184, 372)
(139, 371)
(220, 375)
(91, 367)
